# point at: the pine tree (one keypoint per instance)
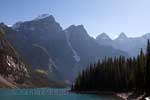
(147, 82)
(118, 74)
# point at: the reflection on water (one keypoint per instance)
(49, 94)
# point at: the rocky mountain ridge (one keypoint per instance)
(62, 52)
(131, 45)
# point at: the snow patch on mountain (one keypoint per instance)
(76, 57)
(42, 16)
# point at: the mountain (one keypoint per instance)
(127, 44)
(103, 36)
(121, 37)
(43, 39)
(45, 45)
(86, 48)
(15, 72)
(104, 39)
(145, 37)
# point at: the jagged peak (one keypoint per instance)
(77, 30)
(17, 25)
(122, 36)
(44, 21)
(71, 26)
(44, 16)
(103, 36)
(79, 27)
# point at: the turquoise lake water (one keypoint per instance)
(49, 94)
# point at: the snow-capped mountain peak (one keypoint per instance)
(42, 16)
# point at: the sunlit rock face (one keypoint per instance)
(11, 67)
(12, 70)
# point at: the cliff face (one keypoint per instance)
(14, 72)
(11, 69)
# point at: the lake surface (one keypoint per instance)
(49, 94)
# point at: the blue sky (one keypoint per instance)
(109, 16)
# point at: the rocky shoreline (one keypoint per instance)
(132, 96)
(124, 96)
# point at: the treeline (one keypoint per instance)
(117, 74)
